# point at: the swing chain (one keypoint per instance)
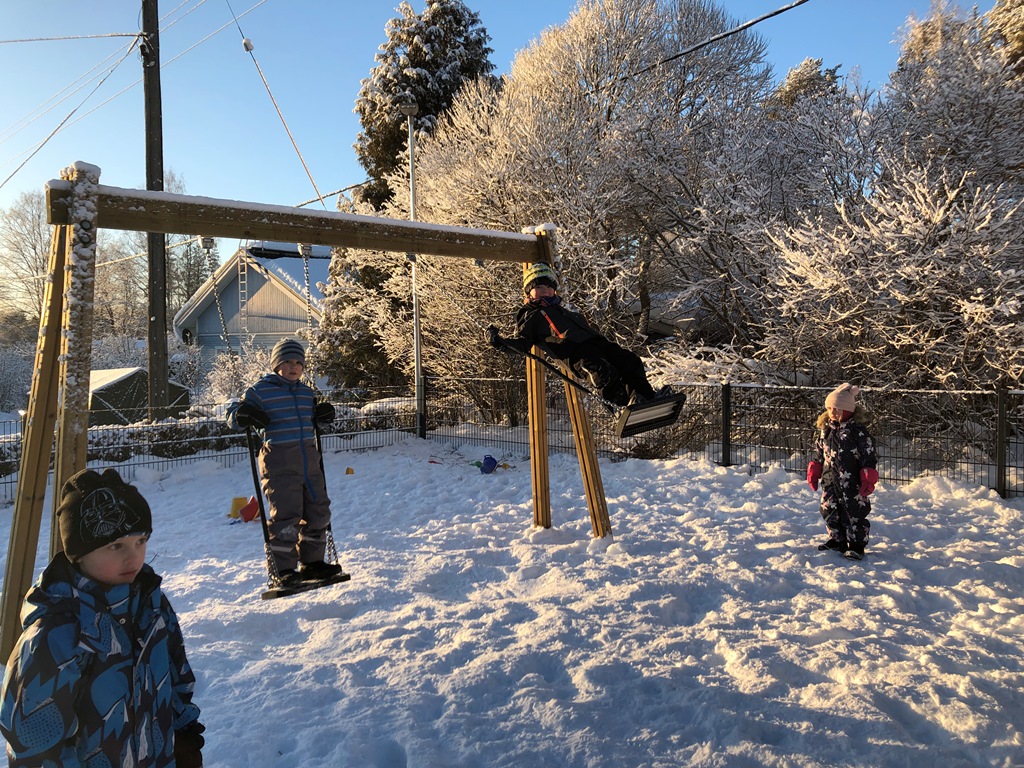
(207, 245)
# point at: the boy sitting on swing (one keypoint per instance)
(283, 408)
(542, 321)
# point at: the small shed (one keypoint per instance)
(121, 396)
(265, 291)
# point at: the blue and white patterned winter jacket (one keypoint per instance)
(99, 676)
(288, 404)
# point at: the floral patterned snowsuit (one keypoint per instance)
(844, 449)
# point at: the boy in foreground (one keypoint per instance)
(99, 675)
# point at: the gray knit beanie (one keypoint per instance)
(287, 349)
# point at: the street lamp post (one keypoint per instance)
(408, 107)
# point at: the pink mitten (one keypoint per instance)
(868, 478)
(813, 474)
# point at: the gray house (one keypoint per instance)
(257, 296)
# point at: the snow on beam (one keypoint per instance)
(137, 210)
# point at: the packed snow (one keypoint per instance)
(708, 631)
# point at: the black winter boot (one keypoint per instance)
(855, 552)
(319, 571)
(288, 578)
(837, 546)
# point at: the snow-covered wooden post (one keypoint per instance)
(77, 334)
(49, 371)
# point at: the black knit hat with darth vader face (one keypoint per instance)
(96, 510)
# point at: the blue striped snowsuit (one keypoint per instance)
(291, 478)
(99, 676)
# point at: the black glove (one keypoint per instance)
(188, 745)
(323, 414)
(493, 338)
(248, 415)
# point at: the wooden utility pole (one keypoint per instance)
(158, 393)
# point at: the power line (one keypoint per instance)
(716, 38)
(335, 192)
(247, 44)
(37, 113)
(109, 262)
(65, 124)
(71, 37)
(54, 132)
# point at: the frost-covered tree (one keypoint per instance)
(921, 287)
(121, 308)
(25, 239)
(427, 57)
(691, 182)
(805, 148)
(346, 346)
(231, 373)
(598, 130)
(18, 333)
(1006, 23)
(955, 101)
(188, 267)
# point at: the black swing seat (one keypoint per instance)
(653, 414)
(304, 586)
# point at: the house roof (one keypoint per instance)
(281, 263)
(99, 378)
(285, 261)
(104, 377)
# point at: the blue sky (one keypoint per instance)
(222, 133)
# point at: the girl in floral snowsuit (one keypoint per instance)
(843, 462)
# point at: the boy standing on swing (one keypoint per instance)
(284, 410)
(566, 335)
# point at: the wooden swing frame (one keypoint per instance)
(77, 205)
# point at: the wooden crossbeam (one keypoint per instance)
(138, 210)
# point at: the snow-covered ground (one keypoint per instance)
(709, 632)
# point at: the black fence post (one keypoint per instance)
(726, 424)
(1001, 441)
(421, 408)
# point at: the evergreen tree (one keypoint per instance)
(427, 58)
(345, 346)
(188, 267)
(1007, 25)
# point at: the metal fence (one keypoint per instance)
(971, 436)
(202, 435)
(974, 437)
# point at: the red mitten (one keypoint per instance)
(813, 474)
(868, 478)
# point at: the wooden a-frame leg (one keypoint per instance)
(37, 445)
(589, 468)
(536, 404)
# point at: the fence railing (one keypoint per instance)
(975, 437)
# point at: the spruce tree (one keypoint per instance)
(427, 57)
